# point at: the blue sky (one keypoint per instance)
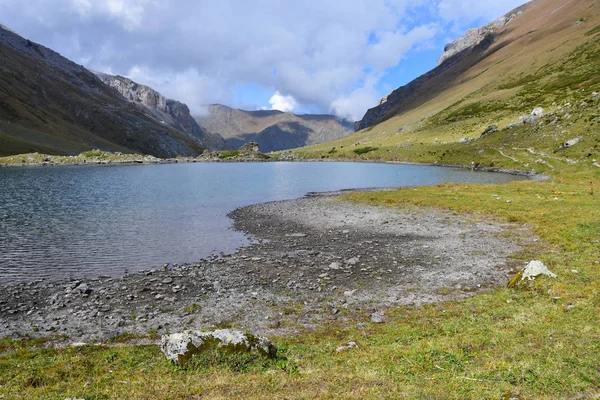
(314, 56)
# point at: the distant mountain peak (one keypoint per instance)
(272, 129)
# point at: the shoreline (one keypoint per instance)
(528, 174)
(317, 259)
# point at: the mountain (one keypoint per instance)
(520, 93)
(272, 130)
(49, 104)
(458, 57)
(171, 113)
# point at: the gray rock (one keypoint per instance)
(569, 143)
(335, 265)
(378, 317)
(166, 281)
(474, 36)
(347, 346)
(528, 119)
(180, 347)
(537, 112)
(83, 288)
(490, 129)
(352, 261)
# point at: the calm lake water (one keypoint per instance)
(67, 222)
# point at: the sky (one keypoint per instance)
(310, 56)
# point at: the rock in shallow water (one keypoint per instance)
(180, 347)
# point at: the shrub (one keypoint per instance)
(364, 150)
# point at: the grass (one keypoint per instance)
(228, 154)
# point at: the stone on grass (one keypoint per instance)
(538, 112)
(347, 346)
(536, 268)
(530, 272)
(378, 317)
(180, 347)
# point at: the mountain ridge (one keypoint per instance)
(172, 113)
(272, 129)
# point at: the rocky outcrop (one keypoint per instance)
(181, 347)
(458, 57)
(475, 36)
(273, 130)
(172, 113)
(52, 105)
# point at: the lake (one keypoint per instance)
(75, 221)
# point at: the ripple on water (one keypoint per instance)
(69, 222)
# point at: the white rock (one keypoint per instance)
(536, 268)
(352, 261)
(335, 265)
(180, 347)
(537, 112)
(349, 345)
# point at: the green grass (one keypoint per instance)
(228, 154)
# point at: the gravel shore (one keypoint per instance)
(313, 259)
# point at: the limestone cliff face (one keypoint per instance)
(475, 36)
(272, 130)
(171, 113)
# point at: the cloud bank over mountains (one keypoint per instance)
(328, 55)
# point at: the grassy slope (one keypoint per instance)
(538, 61)
(527, 341)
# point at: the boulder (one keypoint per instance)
(83, 288)
(378, 317)
(569, 143)
(490, 129)
(533, 269)
(180, 347)
(528, 119)
(537, 112)
(536, 268)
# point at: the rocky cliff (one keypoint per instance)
(476, 35)
(459, 55)
(171, 113)
(272, 130)
(52, 105)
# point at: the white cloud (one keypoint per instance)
(353, 106)
(282, 103)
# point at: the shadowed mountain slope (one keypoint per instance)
(49, 104)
